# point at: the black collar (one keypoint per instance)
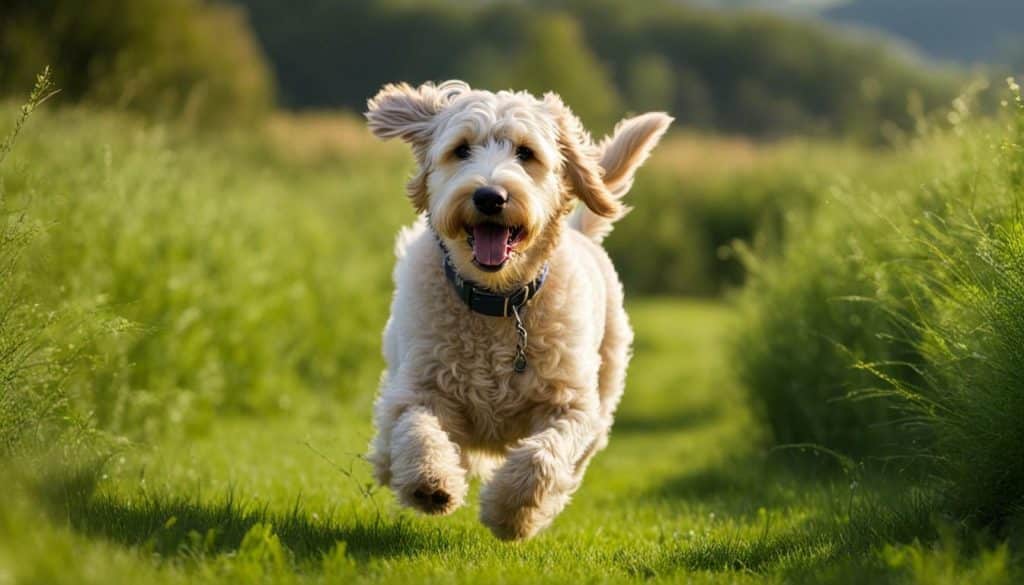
(487, 302)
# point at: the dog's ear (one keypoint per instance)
(629, 145)
(582, 170)
(406, 112)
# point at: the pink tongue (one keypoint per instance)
(490, 244)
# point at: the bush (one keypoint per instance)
(973, 342)
(890, 325)
(203, 276)
(676, 238)
(974, 345)
(700, 195)
(555, 57)
(168, 58)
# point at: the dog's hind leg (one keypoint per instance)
(616, 347)
(539, 476)
(615, 354)
(481, 464)
(384, 415)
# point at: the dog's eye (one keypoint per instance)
(524, 153)
(461, 151)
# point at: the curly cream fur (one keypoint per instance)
(450, 404)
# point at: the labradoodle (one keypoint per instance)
(508, 342)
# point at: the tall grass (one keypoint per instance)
(235, 273)
(891, 324)
(700, 194)
(203, 276)
(32, 397)
(974, 341)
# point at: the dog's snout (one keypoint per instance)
(490, 200)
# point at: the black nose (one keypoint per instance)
(490, 200)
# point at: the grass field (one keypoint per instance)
(189, 348)
(682, 494)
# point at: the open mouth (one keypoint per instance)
(493, 243)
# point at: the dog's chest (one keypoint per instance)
(474, 375)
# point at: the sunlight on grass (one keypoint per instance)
(682, 489)
(210, 310)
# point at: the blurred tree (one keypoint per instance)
(747, 72)
(694, 103)
(165, 57)
(650, 83)
(555, 57)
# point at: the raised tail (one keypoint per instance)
(620, 155)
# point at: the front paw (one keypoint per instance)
(432, 496)
(435, 487)
(426, 471)
(525, 495)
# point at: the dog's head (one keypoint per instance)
(498, 171)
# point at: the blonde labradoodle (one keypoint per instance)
(507, 343)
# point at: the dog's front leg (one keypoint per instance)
(538, 477)
(425, 465)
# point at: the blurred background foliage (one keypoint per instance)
(158, 276)
(755, 73)
(190, 60)
(220, 64)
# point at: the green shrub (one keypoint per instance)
(973, 341)
(891, 323)
(204, 275)
(676, 238)
(164, 57)
(690, 207)
(974, 346)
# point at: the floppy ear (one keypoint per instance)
(582, 170)
(622, 153)
(402, 111)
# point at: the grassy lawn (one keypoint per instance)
(195, 321)
(682, 493)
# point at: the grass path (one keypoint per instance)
(680, 494)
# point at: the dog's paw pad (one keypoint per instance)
(432, 501)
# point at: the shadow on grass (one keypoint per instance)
(186, 527)
(840, 520)
(813, 550)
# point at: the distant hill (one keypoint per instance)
(953, 30)
(795, 6)
(963, 31)
(745, 72)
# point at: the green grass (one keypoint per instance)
(201, 276)
(189, 346)
(682, 493)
